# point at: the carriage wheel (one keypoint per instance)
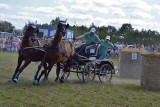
(105, 73)
(79, 73)
(88, 73)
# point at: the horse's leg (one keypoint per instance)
(20, 60)
(26, 63)
(57, 72)
(66, 69)
(45, 75)
(44, 71)
(39, 68)
(35, 81)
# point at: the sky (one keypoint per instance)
(141, 14)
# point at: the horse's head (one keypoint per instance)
(30, 34)
(32, 28)
(62, 27)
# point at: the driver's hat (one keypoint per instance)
(107, 37)
(93, 30)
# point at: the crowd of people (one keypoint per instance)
(12, 44)
(9, 44)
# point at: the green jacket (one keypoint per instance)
(90, 39)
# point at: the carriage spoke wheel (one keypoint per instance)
(79, 73)
(88, 73)
(105, 73)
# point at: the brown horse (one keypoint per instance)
(57, 52)
(28, 39)
(28, 53)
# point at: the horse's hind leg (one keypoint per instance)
(43, 72)
(35, 81)
(39, 68)
(45, 75)
(57, 72)
(20, 60)
(26, 63)
(66, 69)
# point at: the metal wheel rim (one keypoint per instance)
(79, 73)
(105, 73)
(88, 73)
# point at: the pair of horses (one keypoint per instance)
(55, 53)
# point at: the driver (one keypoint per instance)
(90, 38)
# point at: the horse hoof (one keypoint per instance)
(15, 80)
(45, 79)
(35, 82)
(61, 81)
(10, 80)
(56, 80)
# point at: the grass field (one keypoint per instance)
(73, 93)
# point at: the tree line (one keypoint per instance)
(126, 33)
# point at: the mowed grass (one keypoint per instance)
(73, 93)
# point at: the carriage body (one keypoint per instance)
(87, 67)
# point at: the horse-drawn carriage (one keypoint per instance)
(62, 54)
(87, 67)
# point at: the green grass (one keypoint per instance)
(73, 93)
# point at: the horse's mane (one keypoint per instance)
(57, 39)
(25, 40)
(59, 33)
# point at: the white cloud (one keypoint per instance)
(136, 4)
(141, 14)
(156, 6)
(78, 9)
(157, 9)
(102, 13)
(1, 15)
(4, 6)
(118, 11)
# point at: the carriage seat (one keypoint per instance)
(92, 51)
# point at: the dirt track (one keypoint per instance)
(30, 71)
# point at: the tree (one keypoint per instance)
(6, 26)
(112, 31)
(125, 34)
(92, 25)
(45, 25)
(54, 22)
(125, 27)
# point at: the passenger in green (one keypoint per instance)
(90, 38)
(104, 47)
